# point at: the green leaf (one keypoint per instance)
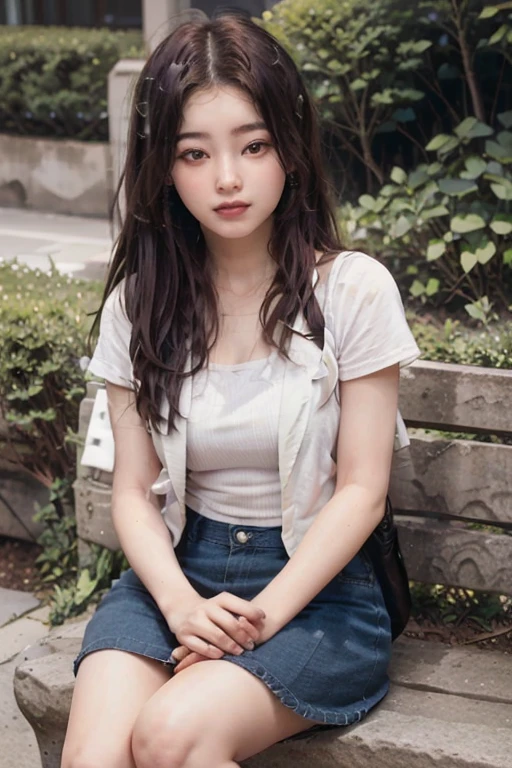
(498, 151)
(475, 311)
(401, 227)
(358, 84)
(434, 168)
(502, 224)
(464, 128)
(488, 13)
(404, 115)
(505, 118)
(448, 237)
(398, 175)
(452, 143)
(505, 139)
(433, 213)
(507, 256)
(417, 178)
(484, 253)
(437, 142)
(417, 289)
(432, 286)
(368, 202)
(435, 249)
(502, 192)
(475, 166)
(457, 187)
(468, 223)
(468, 260)
(498, 35)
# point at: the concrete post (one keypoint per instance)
(156, 15)
(121, 81)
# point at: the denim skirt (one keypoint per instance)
(328, 664)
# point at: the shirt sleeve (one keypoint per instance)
(111, 358)
(367, 317)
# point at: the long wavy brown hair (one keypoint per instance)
(169, 295)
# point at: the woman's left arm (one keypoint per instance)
(365, 447)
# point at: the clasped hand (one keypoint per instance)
(209, 628)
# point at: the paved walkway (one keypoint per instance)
(77, 246)
(22, 623)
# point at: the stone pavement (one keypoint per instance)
(22, 623)
(78, 246)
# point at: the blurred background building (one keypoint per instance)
(117, 14)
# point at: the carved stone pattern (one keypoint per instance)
(439, 553)
(457, 477)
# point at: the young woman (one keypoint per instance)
(234, 326)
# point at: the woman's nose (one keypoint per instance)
(228, 176)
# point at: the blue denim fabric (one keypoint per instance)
(329, 664)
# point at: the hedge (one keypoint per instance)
(54, 79)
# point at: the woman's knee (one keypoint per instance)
(162, 739)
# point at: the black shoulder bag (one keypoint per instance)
(383, 549)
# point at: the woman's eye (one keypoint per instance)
(256, 147)
(194, 154)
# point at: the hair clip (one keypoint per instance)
(277, 56)
(300, 106)
(138, 107)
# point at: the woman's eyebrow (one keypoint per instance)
(247, 128)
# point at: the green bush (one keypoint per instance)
(450, 220)
(43, 327)
(54, 79)
(388, 76)
(453, 342)
(44, 323)
(349, 53)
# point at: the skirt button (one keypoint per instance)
(242, 537)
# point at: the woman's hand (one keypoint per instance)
(184, 657)
(218, 625)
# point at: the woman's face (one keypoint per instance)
(225, 155)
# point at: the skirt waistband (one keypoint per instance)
(200, 527)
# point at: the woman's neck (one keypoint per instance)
(240, 264)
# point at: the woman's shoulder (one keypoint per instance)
(354, 273)
(351, 266)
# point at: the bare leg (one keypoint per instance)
(110, 690)
(212, 714)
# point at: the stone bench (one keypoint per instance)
(448, 706)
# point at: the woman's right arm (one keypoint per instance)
(206, 626)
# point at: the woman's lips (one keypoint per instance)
(232, 211)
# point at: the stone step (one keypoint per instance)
(447, 708)
(401, 734)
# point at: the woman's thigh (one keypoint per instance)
(110, 690)
(210, 714)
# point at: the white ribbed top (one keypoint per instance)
(232, 442)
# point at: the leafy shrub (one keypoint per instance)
(454, 342)
(349, 54)
(450, 220)
(54, 79)
(43, 325)
(387, 76)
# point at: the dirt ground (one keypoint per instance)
(19, 571)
